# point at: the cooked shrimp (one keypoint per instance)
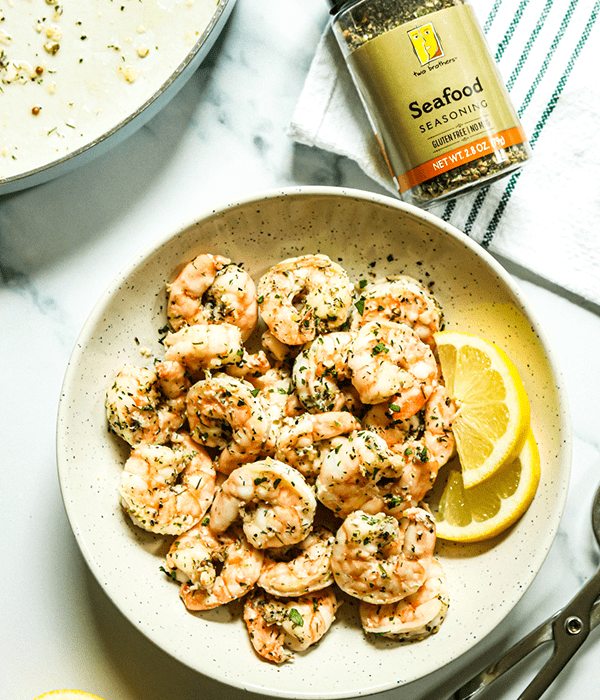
(300, 297)
(167, 490)
(301, 568)
(199, 474)
(388, 360)
(222, 412)
(275, 384)
(424, 442)
(232, 298)
(356, 473)
(280, 402)
(414, 617)
(300, 442)
(204, 346)
(280, 351)
(380, 559)
(210, 289)
(322, 376)
(214, 569)
(250, 367)
(297, 624)
(317, 612)
(173, 383)
(267, 638)
(426, 436)
(276, 505)
(136, 409)
(274, 389)
(402, 299)
(188, 288)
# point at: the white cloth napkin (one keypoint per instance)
(547, 218)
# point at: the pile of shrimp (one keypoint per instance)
(292, 477)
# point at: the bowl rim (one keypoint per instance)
(564, 419)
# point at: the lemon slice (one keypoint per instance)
(485, 510)
(67, 695)
(493, 415)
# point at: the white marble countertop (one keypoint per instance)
(222, 137)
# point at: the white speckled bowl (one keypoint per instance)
(366, 233)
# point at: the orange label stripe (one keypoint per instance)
(461, 155)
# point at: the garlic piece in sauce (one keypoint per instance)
(129, 73)
(54, 33)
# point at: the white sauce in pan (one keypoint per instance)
(71, 72)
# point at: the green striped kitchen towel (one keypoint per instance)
(545, 218)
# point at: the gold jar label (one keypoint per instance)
(435, 96)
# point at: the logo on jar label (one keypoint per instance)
(426, 43)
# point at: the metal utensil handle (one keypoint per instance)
(568, 630)
(540, 635)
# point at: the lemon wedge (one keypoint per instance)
(67, 695)
(493, 409)
(485, 510)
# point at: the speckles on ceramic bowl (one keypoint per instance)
(371, 236)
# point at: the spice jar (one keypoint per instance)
(433, 94)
